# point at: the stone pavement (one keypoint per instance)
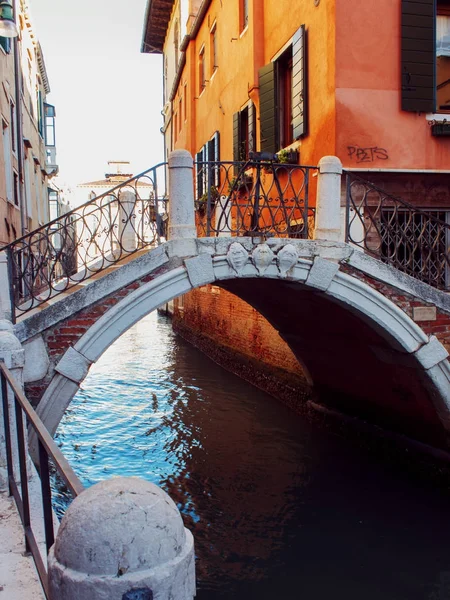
(18, 576)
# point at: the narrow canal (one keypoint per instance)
(280, 508)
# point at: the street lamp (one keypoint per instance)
(8, 27)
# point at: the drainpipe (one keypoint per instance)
(257, 25)
(19, 127)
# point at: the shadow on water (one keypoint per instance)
(279, 507)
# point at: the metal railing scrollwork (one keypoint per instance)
(15, 423)
(88, 239)
(413, 240)
(253, 198)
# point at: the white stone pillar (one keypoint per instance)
(181, 196)
(13, 355)
(328, 205)
(122, 539)
(5, 291)
(128, 221)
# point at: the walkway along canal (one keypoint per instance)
(279, 507)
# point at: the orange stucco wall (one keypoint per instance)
(368, 95)
(241, 55)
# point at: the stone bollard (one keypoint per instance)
(182, 231)
(128, 221)
(122, 539)
(13, 355)
(328, 206)
(5, 297)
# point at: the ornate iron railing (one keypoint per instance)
(13, 420)
(253, 198)
(412, 240)
(85, 241)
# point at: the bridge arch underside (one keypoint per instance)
(355, 365)
(364, 355)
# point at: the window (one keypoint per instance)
(443, 57)
(244, 133)
(213, 49)
(12, 110)
(49, 112)
(425, 56)
(7, 159)
(243, 14)
(180, 112)
(40, 113)
(185, 101)
(282, 89)
(210, 152)
(201, 70)
(16, 188)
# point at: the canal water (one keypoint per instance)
(280, 508)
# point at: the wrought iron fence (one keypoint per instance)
(253, 198)
(412, 240)
(88, 239)
(12, 396)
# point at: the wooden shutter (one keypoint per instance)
(418, 55)
(200, 172)
(236, 136)
(267, 115)
(251, 128)
(299, 89)
(216, 140)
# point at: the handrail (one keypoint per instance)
(47, 450)
(411, 239)
(88, 239)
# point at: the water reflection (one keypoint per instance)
(278, 508)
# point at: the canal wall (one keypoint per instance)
(240, 339)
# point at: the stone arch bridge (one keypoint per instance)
(355, 324)
(370, 337)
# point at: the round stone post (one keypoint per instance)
(5, 292)
(328, 206)
(181, 196)
(122, 539)
(128, 221)
(13, 355)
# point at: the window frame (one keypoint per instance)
(201, 70)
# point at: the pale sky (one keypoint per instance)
(108, 96)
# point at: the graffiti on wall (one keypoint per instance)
(367, 155)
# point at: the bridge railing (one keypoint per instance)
(412, 240)
(17, 458)
(253, 198)
(83, 242)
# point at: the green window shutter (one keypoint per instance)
(236, 136)
(200, 169)
(251, 127)
(418, 55)
(299, 89)
(216, 140)
(267, 114)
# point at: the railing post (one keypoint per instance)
(128, 221)
(328, 206)
(122, 539)
(5, 288)
(181, 196)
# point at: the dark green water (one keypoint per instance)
(279, 508)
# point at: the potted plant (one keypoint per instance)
(202, 202)
(288, 156)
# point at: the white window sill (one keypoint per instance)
(439, 117)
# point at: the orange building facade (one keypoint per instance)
(368, 82)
